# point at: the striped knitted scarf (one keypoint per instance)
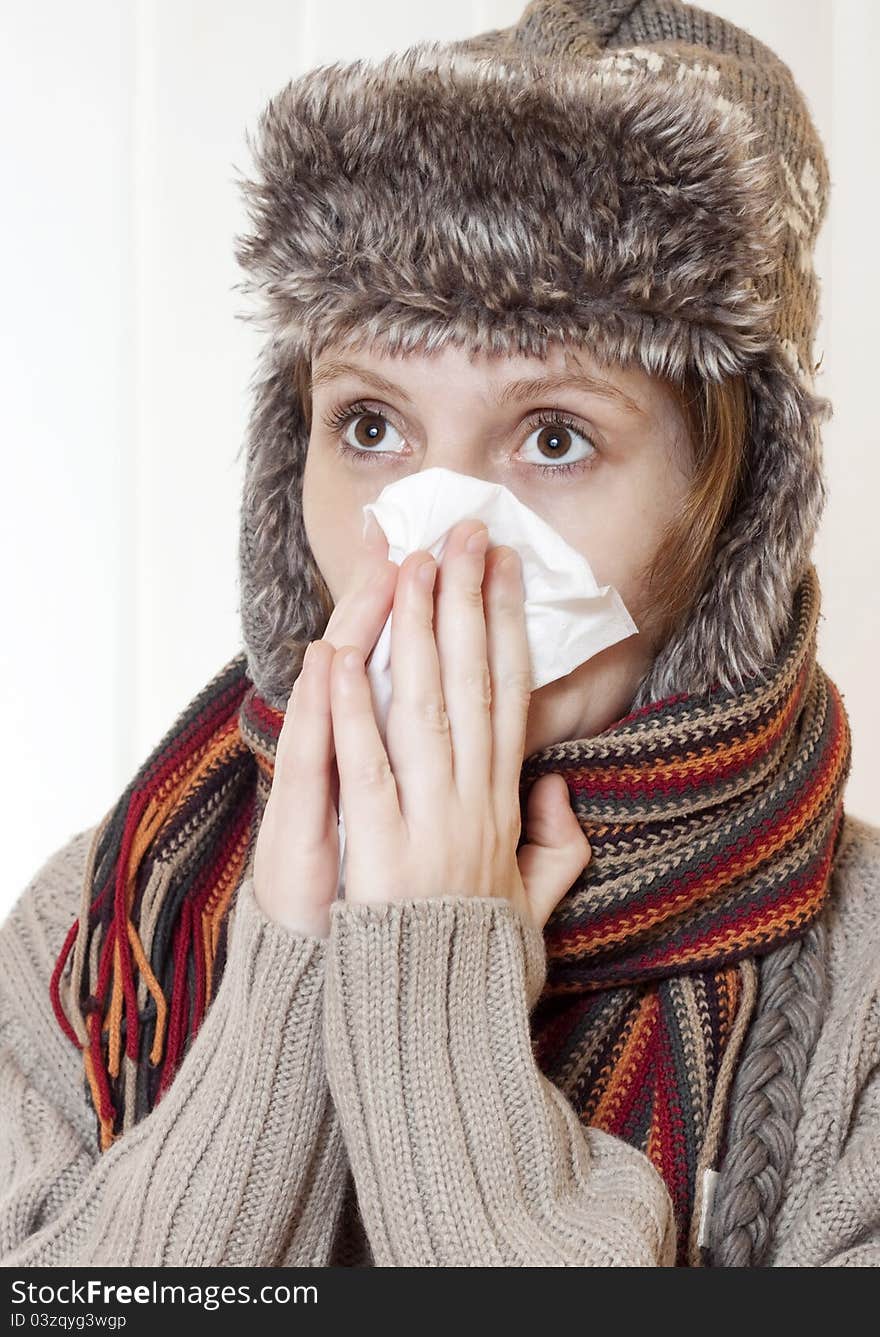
(713, 821)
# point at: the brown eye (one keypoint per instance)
(369, 429)
(558, 442)
(554, 441)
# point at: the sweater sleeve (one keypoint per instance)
(462, 1151)
(242, 1161)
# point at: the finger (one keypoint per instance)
(462, 649)
(417, 728)
(303, 773)
(510, 669)
(362, 612)
(374, 537)
(358, 619)
(557, 851)
(367, 788)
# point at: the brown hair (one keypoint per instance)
(717, 416)
(717, 419)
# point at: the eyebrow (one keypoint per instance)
(511, 392)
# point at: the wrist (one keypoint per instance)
(309, 921)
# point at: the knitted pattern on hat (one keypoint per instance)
(641, 180)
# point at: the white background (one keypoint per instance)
(125, 375)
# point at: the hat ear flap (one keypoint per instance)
(283, 600)
(743, 609)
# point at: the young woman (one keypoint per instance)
(603, 985)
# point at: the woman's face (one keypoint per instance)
(601, 454)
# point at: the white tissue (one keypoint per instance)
(569, 618)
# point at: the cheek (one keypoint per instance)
(618, 537)
(321, 519)
(619, 523)
(333, 521)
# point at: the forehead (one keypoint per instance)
(566, 366)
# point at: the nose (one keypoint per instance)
(467, 458)
(462, 454)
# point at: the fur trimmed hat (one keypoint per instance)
(640, 177)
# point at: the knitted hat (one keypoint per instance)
(639, 177)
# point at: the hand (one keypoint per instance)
(437, 813)
(296, 858)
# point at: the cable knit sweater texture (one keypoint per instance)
(372, 1099)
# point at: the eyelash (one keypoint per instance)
(337, 419)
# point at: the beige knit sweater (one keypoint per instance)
(372, 1099)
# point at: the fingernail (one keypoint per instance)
(479, 541)
(352, 661)
(427, 573)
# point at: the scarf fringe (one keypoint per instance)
(150, 939)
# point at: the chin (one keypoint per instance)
(582, 704)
